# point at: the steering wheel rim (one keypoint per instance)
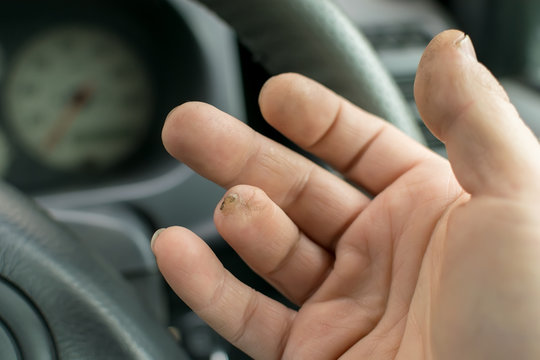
(87, 310)
(83, 307)
(316, 39)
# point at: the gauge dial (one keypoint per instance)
(78, 98)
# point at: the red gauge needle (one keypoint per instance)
(67, 117)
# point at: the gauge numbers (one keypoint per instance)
(78, 98)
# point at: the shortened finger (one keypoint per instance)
(363, 147)
(271, 244)
(228, 152)
(251, 321)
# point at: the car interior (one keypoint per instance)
(84, 90)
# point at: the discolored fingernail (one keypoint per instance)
(465, 44)
(228, 201)
(154, 238)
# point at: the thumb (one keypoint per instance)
(490, 148)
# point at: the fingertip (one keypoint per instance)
(155, 237)
(208, 140)
(298, 107)
(166, 130)
(449, 39)
(275, 91)
(167, 239)
(253, 225)
(170, 136)
(275, 83)
(240, 208)
(450, 80)
(439, 83)
(176, 248)
(464, 106)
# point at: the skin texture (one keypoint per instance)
(440, 263)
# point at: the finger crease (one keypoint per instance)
(412, 166)
(296, 192)
(282, 344)
(339, 233)
(290, 253)
(216, 294)
(247, 316)
(363, 149)
(333, 125)
(254, 154)
(318, 282)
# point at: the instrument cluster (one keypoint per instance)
(85, 87)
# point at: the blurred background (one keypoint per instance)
(85, 87)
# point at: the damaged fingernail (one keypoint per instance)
(154, 237)
(228, 200)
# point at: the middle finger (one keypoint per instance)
(228, 152)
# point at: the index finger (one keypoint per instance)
(228, 152)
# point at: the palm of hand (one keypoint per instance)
(396, 276)
(362, 308)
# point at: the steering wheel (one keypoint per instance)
(60, 300)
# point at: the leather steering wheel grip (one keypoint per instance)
(314, 38)
(87, 310)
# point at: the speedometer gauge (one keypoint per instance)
(78, 98)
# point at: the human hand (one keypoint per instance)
(441, 263)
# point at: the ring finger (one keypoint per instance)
(271, 244)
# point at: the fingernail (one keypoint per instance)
(154, 237)
(465, 44)
(228, 201)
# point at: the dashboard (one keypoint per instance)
(85, 87)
